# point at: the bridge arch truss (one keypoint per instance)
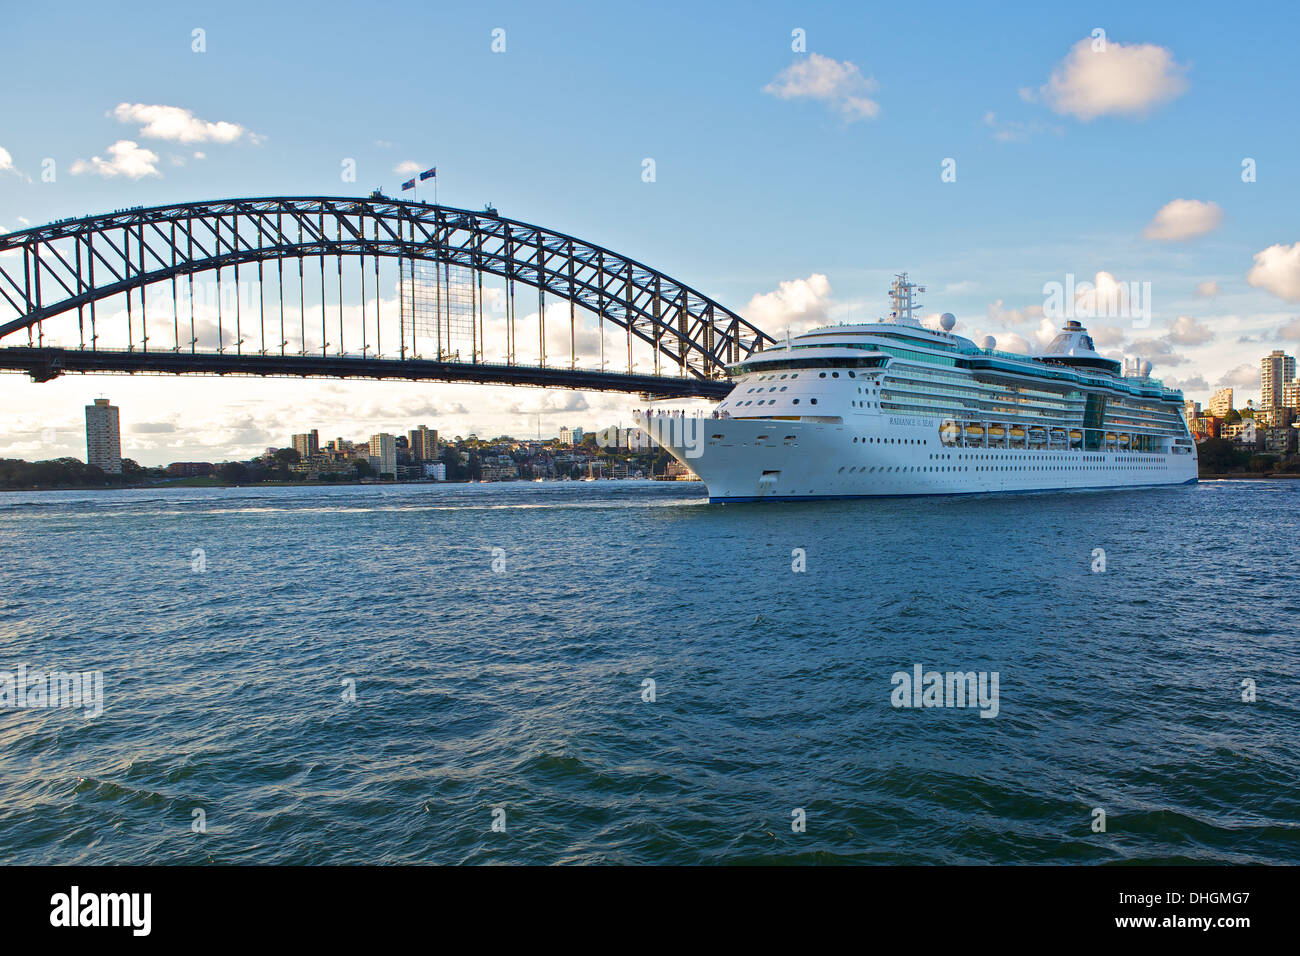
(70, 266)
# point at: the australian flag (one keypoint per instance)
(428, 174)
(409, 184)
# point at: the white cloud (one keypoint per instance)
(840, 85)
(1185, 330)
(1207, 289)
(1006, 318)
(798, 304)
(1277, 269)
(1241, 376)
(125, 158)
(1122, 79)
(179, 125)
(1290, 330)
(406, 166)
(1104, 336)
(1184, 219)
(6, 162)
(1195, 383)
(1014, 131)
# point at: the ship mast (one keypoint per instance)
(901, 298)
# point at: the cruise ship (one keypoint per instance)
(894, 408)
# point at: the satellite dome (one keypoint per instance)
(947, 321)
(988, 342)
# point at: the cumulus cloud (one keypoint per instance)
(1184, 219)
(1099, 79)
(1002, 317)
(6, 162)
(406, 166)
(1104, 336)
(179, 125)
(1195, 383)
(840, 85)
(1160, 351)
(125, 158)
(1185, 330)
(798, 304)
(1207, 289)
(1277, 269)
(1241, 376)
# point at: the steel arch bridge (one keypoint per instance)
(68, 271)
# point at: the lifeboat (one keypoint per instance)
(1110, 438)
(1123, 441)
(974, 431)
(997, 431)
(1076, 435)
(1017, 432)
(949, 431)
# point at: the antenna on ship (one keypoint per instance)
(901, 297)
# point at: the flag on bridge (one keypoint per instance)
(409, 184)
(428, 174)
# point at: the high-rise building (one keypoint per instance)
(566, 435)
(307, 445)
(1191, 411)
(1275, 370)
(103, 437)
(1291, 394)
(383, 453)
(424, 443)
(1221, 402)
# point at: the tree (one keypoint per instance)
(1232, 417)
(233, 472)
(287, 456)
(363, 468)
(1217, 455)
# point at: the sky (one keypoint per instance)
(801, 155)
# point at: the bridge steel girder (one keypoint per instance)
(84, 260)
(45, 364)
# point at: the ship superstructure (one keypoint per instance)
(896, 408)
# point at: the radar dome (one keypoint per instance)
(947, 321)
(988, 342)
(1146, 368)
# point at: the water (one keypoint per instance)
(522, 690)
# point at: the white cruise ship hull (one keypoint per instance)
(773, 460)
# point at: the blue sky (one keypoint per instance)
(788, 184)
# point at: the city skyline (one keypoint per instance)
(989, 173)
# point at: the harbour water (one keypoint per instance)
(381, 674)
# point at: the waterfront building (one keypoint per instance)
(1275, 369)
(1191, 411)
(423, 443)
(436, 470)
(1280, 440)
(383, 449)
(103, 437)
(307, 445)
(1221, 403)
(190, 469)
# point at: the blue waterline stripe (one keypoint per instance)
(943, 494)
